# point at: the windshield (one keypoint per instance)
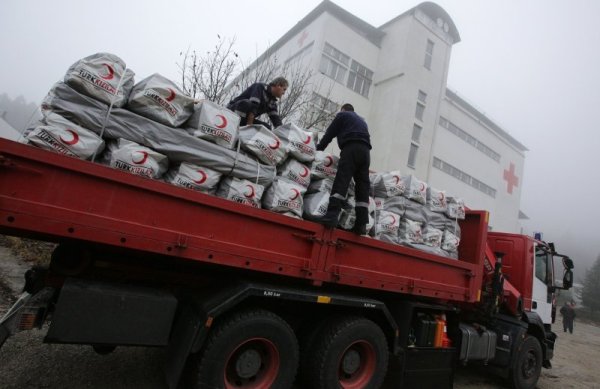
(543, 266)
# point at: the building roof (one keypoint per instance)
(484, 119)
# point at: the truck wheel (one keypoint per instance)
(250, 349)
(351, 354)
(527, 364)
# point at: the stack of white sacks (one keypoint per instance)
(154, 130)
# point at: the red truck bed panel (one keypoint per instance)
(49, 195)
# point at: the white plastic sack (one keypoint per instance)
(432, 236)
(324, 165)
(436, 200)
(456, 208)
(387, 226)
(159, 99)
(299, 144)
(137, 159)
(99, 75)
(284, 196)
(241, 191)
(410, 231)
(214, 123)
(262, 143)
(450, 242)
(395, 204)
(320, 185)
(416, 189)
(388, 184)
(295, 171)
(195, 177)
(66, 137)
(315, 204)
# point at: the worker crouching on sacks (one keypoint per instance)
(353, 139)
(257, 99)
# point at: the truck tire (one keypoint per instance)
(527, 364)
(249, 349)
(351, 353)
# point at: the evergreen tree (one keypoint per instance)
(590, 293)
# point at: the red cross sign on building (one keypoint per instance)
(511, 179)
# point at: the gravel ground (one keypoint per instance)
(26, 362)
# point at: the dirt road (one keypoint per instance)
(25, 362)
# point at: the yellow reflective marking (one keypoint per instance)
(479, 295)
(323, 299)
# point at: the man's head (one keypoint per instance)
(347, 107)
(278, 86)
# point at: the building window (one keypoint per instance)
(419, 111)
(453, 128)
(416, 134)
(464, 177)
(334, 63)
(428, 54)
(422, 97)
(360, 79)
(324, 103)
(412, 155)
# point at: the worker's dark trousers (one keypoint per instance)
(242, 108)
(355, 160)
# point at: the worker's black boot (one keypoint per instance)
(362, 219)
(330, 219)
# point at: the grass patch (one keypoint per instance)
(29, 250)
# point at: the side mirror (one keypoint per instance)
(568, 263)
(567, 280)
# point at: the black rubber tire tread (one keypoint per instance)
(307, 340)
(209, 364)
(517, 381)
(316, 371)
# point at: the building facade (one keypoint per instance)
(395, 75)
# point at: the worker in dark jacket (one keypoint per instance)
(258, 99)
(568, 313)
(353, 138)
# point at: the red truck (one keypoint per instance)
(247, 298)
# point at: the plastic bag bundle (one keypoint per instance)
(159, 99)
(432, 236)
(66, 137)
(436, 200)
(194, 177)
(214, 123)
(315, 204)
(320, 185)
(388, 184)
(396, 204)
(450, 242)
(414, 211)
(348, 218)
(435, 219)
(241, 191)
(410, 231)
(415, 189)
(324, 165)
(99, 75)
(387, 226)
(284, 196)
(453, 226)
(299, 144)
(263, 144)
(456, 208)
(379, 203)
(137, 159)
(295, 171)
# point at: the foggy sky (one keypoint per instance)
(530, 66)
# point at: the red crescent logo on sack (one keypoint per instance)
(422, 187)
(276, 145)
(144, 157)
(393, 219)
(442, 196)
(305, 172)
(297, 193)
(110, 72)
(203, 177)
(307, 141)
(397, 179)
(223, 121)
(171, 94)
(328, 161)
(72, 141)
(251, 194)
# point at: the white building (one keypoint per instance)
(395, 76)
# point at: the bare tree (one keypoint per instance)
(205, 76)
(210, 76)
